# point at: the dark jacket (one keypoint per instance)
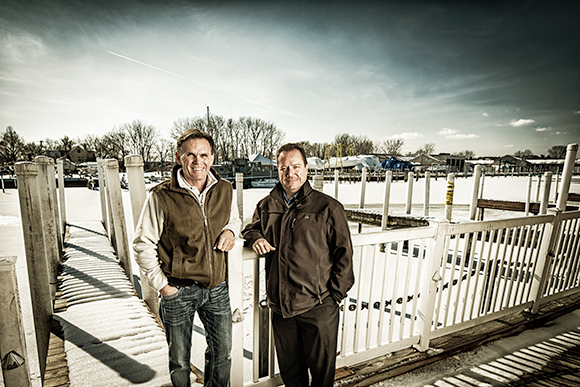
(313, 256)
(185, 248)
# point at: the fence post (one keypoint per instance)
(103, 194)
(336, 178)
(544, 261)
(240, 195)
(118, 215)
(529, 195)
(538, 188)
(430, 279)
(236, 290)
(546, 193)
(61, 197)
(449, 196)
(43, 163)
(318, 182)
(475, 192)
(15, 368)
(33, 232)
(427, 193)
(410, 193)
(571, 151)
(363, 190)
(56, 215)
(387, 199)
(138, 194)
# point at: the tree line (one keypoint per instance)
(234, 138)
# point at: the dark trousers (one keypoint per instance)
(307, 342)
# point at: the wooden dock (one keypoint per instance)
(103, 334)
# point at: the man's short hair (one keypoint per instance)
(195, 133)
(290, 147)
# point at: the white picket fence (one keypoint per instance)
(413, 285)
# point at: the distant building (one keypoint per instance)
(78, 154)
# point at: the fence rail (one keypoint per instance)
(417, 284)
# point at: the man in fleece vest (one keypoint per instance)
(187, 225)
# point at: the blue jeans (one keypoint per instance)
(177, 312)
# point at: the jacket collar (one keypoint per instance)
(303, 193)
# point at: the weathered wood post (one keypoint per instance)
(386, 200)
(569, 162)
(549, 243)
(236, 291)
(475, 192)
(318, 182)
(138, 194)
(118, 215)
(336, 178)
(430, 281)
(538, 188)
(56, 215)
(103, 194)
(47, 204)
(410, 183)
(15, 368)
(240, 195)
(426, 202)
(529, 195)
(38, 279)
(449, 196)
(363, 190)
(546, 193)
(61, 197)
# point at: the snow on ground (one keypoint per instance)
(84, 205)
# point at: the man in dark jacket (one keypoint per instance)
(305, 237)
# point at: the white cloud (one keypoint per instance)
(485, 114)
(406, 136)
(509, 146)
(454, 134)
(521, 122)
(460, 136)
(447, 132)
(542, 129)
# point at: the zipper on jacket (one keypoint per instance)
(209, 247)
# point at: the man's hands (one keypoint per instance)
(226, 241)
(168, 290)
(262, 246)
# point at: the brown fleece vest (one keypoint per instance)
(185, 248)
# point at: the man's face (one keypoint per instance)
(195, 159)
(292, 171)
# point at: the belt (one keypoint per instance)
(183, 282)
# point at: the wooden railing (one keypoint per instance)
(416, 284)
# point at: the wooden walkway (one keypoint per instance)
(104, 335)
(108, 335)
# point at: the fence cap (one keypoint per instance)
(25, 168)
(7, 263)
(45, 160)
(111, 163)
(134, 161)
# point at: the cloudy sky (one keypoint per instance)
(493, 79)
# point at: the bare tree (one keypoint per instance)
(392, 147)
(164, 151)
(467, 154)
(557, 152)
(141, 137)
(357, 145)
(115, 144)
(426, 149)
(11, 145)
(64, 146)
